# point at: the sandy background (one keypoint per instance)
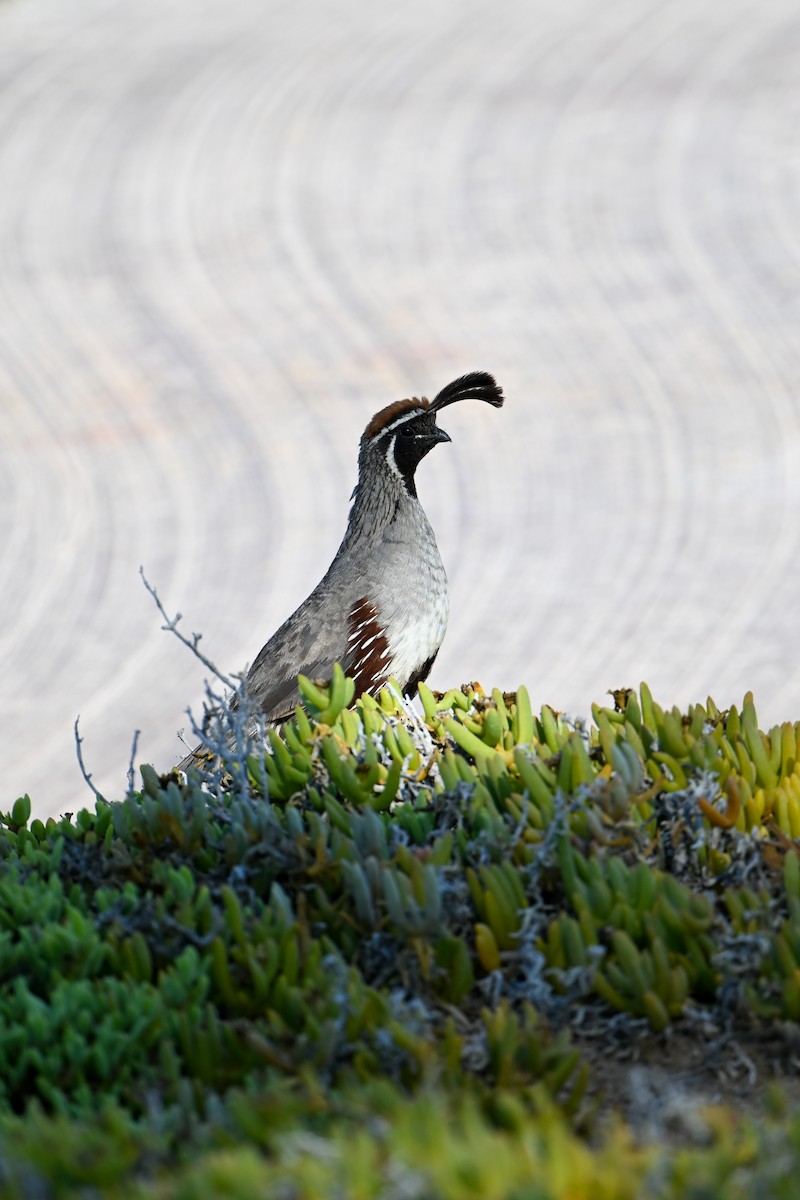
(231, 231)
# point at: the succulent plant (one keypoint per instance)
(381, 903)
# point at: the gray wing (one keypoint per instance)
(270, 687)
(353, 637)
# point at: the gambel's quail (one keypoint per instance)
(381, 610)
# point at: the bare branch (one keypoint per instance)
(84, 772)
(229, 733)
(192, 643)
(230, 730)
(134, 744)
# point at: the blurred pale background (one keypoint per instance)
(230, 230)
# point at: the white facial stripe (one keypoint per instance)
(407, 416)
(390, 459)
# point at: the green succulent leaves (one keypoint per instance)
(389, 897)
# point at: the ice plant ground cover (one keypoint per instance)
(482, 951)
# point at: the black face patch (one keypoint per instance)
(408, 443)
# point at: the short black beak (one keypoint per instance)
(439, 435)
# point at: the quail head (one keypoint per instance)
(381, 609)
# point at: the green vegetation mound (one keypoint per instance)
(484, 952)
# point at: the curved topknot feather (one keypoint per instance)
(478, 385)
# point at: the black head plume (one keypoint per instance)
(478, 385)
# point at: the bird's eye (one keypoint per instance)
(405, 431)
